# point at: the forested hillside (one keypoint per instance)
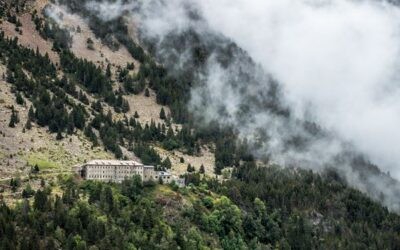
(258, 209)
(63, 103)
(117, 106)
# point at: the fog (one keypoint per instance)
(337, 60)
(334, 63)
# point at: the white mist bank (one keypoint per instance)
(337, 63)
(337, 60)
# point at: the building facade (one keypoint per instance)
(117, 171)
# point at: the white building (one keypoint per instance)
(117, 171)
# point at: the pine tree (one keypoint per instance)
(83, 98)
(108, 71)
(59, 136)
(78, 116)
(90, 44)
(125, 106)
(190, 169)
(42, 183)
(170, 132)
(40, 200)
(162, 114)
(28, 191)
(202, 169)
(35, 169)
(10, 76)
(12, 122)
(130, 66)
(218, 167)
(132, 122)
(163, 129)
(14, 118)
(19, 99)
(31, 114)
(97, 106)
(28, 124)
(18, 23)
(70, 125)
(15, 183)
(91, 135)
(109, 118)
(129, 84)
(166, 163)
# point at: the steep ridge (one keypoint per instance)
(74, 147)
(58, 113)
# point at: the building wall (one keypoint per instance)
(115, 173)
(120, 170)
(149, 173)
(165, 177)
(100, 172)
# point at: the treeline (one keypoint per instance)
(114, 217)
(53, 107)
(130, 133)
(260, 208)
(10, 9)
(171, 91)
(50, 105)
(93, 79)
(308, 211)
(49, 29)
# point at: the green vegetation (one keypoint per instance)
(42, 162)
(14, 118)
(268, 208)
(53, 105)
(58, 105)
(93, 79)
(254, 208)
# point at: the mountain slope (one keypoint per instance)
(63, 103)
(34, 31)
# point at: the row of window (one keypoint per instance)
(119, 172)
(113, 167)
(95, 176)
(100, 176)
(128, 172)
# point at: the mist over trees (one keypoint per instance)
(176, 88)
(256, 206)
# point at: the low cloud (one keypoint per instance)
(323, 77)
(337, 60)
(110, 10)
